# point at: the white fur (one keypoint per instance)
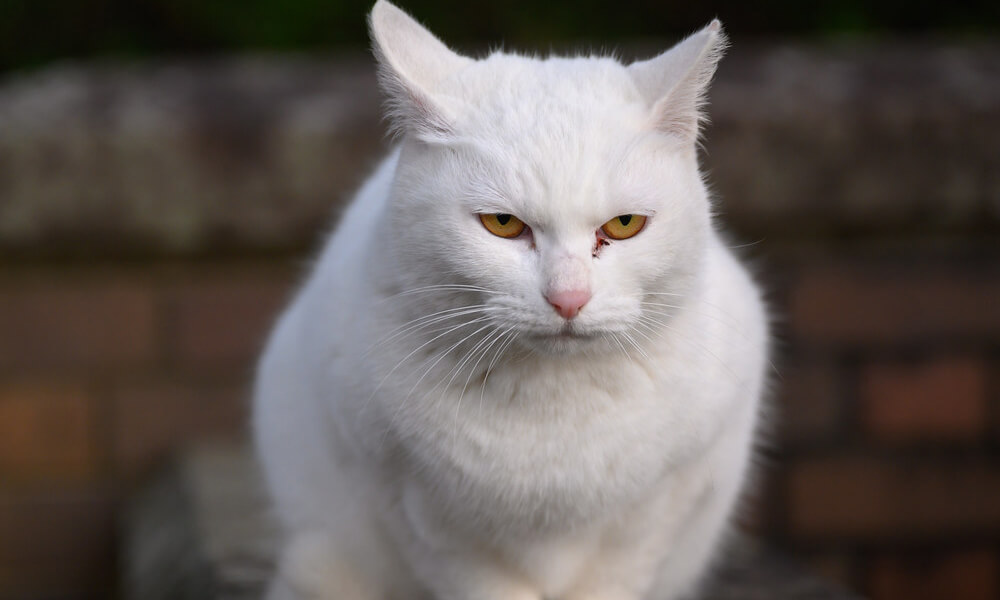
(499, 451)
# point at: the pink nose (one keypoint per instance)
(568, 302)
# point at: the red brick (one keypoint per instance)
(154, 418)
(47, 433)
(972, 575)
(942, 398)
(56, 544)
(860, 305)
(869, 498)
(809, 407)
(75, 325)
(224, 321)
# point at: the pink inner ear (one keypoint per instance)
(568, 302)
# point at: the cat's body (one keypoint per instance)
(445, 413)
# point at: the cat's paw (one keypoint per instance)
(602, 594)
(311, 568)
(474, 582)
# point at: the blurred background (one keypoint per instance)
(167, 167)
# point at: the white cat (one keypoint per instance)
(525, 366)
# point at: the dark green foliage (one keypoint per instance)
(34, 32)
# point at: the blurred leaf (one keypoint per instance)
(36, 32)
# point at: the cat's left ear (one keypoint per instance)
(675, 82)
(411, 63)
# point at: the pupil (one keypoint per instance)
(503, 219)
(625, 220)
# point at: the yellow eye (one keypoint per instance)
(502, 224)
(623, 226)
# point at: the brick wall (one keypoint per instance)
(886, 472)
(103, 371)
(154, 219)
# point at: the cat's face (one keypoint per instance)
(564, 163)
(550, 190)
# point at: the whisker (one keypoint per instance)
(496, 356)
(698, 345)
(732, 323)
(635, 344)
(643, 334)
(620, 345)
(420, 347)
(692, 307)
(428, 320)
(446, 311)
(439, 357)
(727, 321)
(445, 287)
(454, 372)
(747, 244)
(472, 371)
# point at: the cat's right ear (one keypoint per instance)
(411, 63)
(675, 82)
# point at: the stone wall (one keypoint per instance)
(154, 217)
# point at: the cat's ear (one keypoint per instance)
(675, 82)
(411, 62)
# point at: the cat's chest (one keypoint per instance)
(544, 449)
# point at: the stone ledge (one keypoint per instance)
(248, 153)
(256, 154)
(201, 532)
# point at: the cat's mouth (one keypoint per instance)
(567, 332)
(565, 339)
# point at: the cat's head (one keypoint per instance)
(566, 189)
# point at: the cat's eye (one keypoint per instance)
(502, 224)
(623, 226)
